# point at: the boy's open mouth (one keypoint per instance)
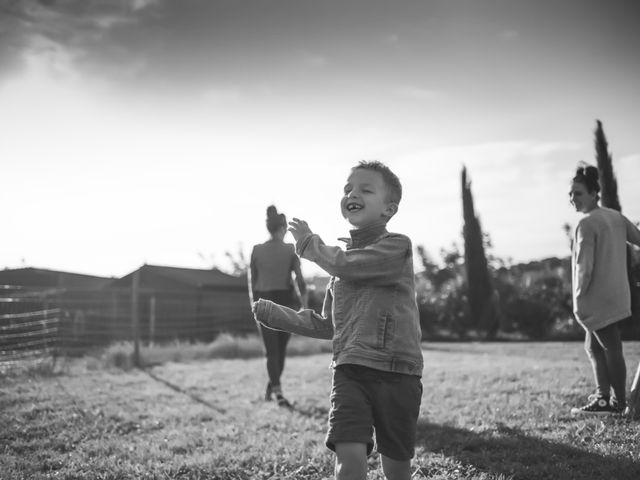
(352, 207)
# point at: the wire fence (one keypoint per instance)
(40, 322)
(28, 335)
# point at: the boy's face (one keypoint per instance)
(365, 199)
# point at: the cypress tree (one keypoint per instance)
(479, 284)
(609, 198)
(608, 182)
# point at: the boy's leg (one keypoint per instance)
(396, 469)
(351, 461)
(350, 433)
(396, 408)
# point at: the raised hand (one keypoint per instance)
(298, 228)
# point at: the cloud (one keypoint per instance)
(391, 39)
(547, 148)
(497, 152)
(81, 34)
(494, 167)
(45, 56)
(222, 95)
(417, 92)
(110, 21)
(627, 170)
(314, 60)
(631, 159)
(508, 34)
(142, 4)
(514, 183)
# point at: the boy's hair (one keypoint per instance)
(391, 180)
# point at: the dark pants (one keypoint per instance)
(604, 349)
(275, 341)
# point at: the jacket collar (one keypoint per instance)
(362, 237)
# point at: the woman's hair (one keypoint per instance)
(588, 176)
(275, 220)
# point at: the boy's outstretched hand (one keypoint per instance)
(298, 228)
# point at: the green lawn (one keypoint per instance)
(489, 411)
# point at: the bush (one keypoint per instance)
(531, 300)
(533, 307)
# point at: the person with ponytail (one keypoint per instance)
(270, 277)
(601, 295)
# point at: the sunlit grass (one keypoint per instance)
(489, 412)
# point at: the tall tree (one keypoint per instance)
(479, 284)
(608, 182)
(609, 198)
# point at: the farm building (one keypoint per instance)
(78, 312)
(43, 309)
(38, 289)
(183, 303)
(43, 278)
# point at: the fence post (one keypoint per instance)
(43, 325)
(633, 410)
(135, 316)
(152, 319)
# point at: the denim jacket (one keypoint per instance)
(369, 309)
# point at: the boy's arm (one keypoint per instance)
(303, 322)
(381, 261)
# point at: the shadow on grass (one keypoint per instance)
(178, 389)
(511, 453)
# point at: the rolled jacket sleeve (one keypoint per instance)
(379, 262)
(304, 322)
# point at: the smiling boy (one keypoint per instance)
(370, 313)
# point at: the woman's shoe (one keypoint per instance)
(267, 394)
(596, 406)
(283, 402)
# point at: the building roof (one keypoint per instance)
(42, 277)
(152, 275)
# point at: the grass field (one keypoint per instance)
(489, 411)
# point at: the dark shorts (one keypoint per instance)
(364, 400)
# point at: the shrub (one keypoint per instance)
(530, 300)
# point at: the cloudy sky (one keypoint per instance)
(158, 131)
